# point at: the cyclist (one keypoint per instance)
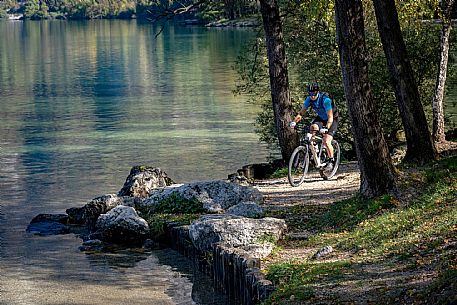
(326, 120)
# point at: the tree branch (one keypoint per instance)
(168, 14)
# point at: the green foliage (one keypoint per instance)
(3, 13)
(173, 209)
(226, 10)
(266, 238)
(422, 227)
(289, 273)
(212, 11)
(89, 9)
(312, 53)
(441, 171)
(423, 224)
(31, 8)
(43, 11)
(77, 9)
(280, 173)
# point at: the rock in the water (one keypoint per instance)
(89, 213)
(49, 224)
(60, 218)
(142, 180)
(234, 231)
(122, 225)
(94, 245)
(47, 228)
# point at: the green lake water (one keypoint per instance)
(83, 102)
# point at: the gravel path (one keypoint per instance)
(313, 196)
(314, 191)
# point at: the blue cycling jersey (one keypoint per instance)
(321, 105)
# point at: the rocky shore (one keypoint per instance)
(230, 237)
(224, 232)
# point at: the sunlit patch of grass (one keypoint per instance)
(422, 226)
(401, 233)
(292, 279)
(348, 213)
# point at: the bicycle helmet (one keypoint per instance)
(313, 87)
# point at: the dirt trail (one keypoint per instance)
(312, 197)
(314, 191)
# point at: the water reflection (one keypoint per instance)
(103, 85)
(186, 285)
(83, 102)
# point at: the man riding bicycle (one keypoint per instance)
(326, 120)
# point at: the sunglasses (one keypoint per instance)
(312, 93)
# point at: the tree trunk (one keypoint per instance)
(279, 81)
(376, 168)
(418, 138)
(438, 134)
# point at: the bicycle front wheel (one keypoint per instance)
(298, 165)
(329, 171)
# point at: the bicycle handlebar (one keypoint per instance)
(323, 130)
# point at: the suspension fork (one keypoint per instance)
(311, 145)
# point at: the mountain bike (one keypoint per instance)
(312, 150)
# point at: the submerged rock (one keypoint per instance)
(60, 218)
(92, 245)
(49, 224)
(47, 228)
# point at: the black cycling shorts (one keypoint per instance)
(321, 123)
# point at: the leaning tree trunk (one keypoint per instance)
(438, 134)
(418, 138)
(279, 81)
(376, 168)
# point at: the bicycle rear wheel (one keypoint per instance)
(328, 172)
(298, 165)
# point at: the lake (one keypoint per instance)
(83, 102)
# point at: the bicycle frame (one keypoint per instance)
(310, 141)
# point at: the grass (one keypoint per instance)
(279, 173)
(418, 229)
(158, 221)
(293, 279)
(172, 209)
